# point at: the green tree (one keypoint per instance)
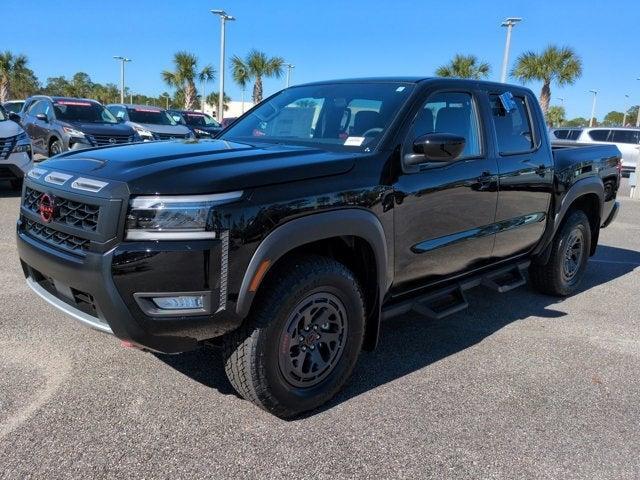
(183, 77)
(613, 118)
(212, 99)
(256, 66)
(556, 116)
(632, 115)
(14, 74)
(464, 66)
(207, 74)
(559, 65)
(577, 122)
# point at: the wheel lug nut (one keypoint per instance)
(304, 349)
(301, 339)
(315, 327)
(312, 347)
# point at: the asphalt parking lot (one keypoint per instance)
(519, 386)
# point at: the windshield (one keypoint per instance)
(196, 119)
(342, 115)
(82, 111)
(150, 115)
(14, 107)
(3, 116)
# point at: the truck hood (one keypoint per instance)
(193, 167)
(9, 128)
(101, 128)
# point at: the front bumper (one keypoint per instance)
(15, 166)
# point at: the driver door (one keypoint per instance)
(444, 212)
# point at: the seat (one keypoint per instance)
(453, 120)
(365, 120)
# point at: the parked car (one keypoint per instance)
(201, 124)
(13, 106)
(226, 121)
(58, 124)
(15, 150)
(151, 123)
(325, 209)
(626, 139)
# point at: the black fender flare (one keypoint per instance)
(314, 227)
(585, 186)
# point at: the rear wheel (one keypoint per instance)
(562, 274)
(300, 343)
(55, 148)
(16, 184)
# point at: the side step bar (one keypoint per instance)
(446, 301)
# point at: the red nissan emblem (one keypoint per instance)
(47, 207)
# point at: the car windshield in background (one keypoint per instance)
(341, 115)
(195, 119)
(81, 111)
(14, 107)
(3, 116)
(150, 115)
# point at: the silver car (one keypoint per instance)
(626, 139)
(15, 150)
(151, 123)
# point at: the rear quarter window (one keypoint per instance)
(625, 136)
(599, 135)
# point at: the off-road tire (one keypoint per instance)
(55, 148)
(252, 353)
(551, 278)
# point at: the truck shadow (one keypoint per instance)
(410, 343)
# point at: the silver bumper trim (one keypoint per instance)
(79, 315)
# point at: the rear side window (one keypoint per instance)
(561, 134)
(625, 136)
(599, 135)
(513, 129)
(574, 134)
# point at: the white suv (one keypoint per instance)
(626, 139)
(15, 151)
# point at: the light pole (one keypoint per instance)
(289, 68)
(223, 19)
(509, 22)
(593, 107)
(122, 60)
(626, 102)
(167, 99)
(638, 119)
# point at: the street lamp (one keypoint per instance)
(508, 22)
(289, 68)
(593, 107)
(122, 60)
(167, 96)
(223, 19)
(626, 102)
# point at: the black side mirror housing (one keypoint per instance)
(436, 147)
(43, 117)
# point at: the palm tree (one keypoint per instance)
(183, 77)
(207, 74)
(13, 70)
(464, 66)
(212, 99)
(560, 65)
(255, 67)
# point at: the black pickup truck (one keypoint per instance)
(323, 210)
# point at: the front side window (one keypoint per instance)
(117, 112)
(450, 112)
(574, 134)
(36, 107)
(341, 116)
(150, 115)
(599, 135)
(513, 128)
(82, 111)
(626, 136)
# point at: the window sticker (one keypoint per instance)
(150, 110)
(72, 103)
(507, 101)
(400, 89)
(353, 141)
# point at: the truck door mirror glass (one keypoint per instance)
(436, 147)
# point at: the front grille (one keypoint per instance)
(59, 239)
(6, 146)
(170, 136)
(100, 140)
(75, 214)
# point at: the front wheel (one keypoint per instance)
(55, 148)
(301, 342)
(562, 274)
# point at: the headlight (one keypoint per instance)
(73, 132)
(201, 132)
(174, 217)
(143, 132)
(23, 144)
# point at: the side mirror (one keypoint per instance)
(436, 147)
(15, 117)
(43, 117)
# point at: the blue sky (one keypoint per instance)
(329, 39)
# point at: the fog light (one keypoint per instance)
(185, 302)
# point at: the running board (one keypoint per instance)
(441, 303)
